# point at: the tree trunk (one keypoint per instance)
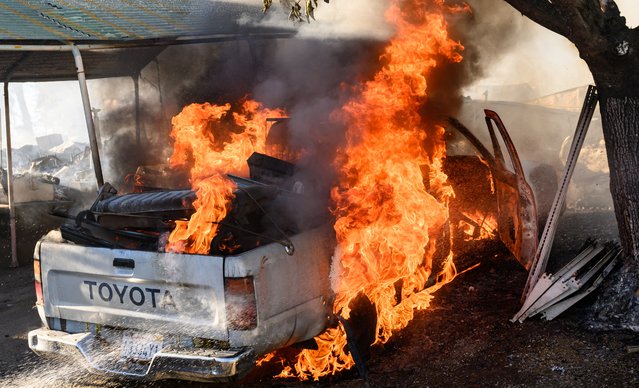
(617, 306)
(620, 121)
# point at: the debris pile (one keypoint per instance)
(48, 178)
(552, 294)
(555, 293)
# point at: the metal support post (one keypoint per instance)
(138, 129)
(84, 91)
(96, 125)
(545, 242)
(12, 209)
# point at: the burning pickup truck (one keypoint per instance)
(110, 294)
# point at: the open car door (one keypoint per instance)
(510, 199)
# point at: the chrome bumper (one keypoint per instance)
(189, 364)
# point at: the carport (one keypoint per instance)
(60, 40)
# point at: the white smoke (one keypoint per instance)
(349, 19)
(345, 19)
(541, 58)
(629, 9)
(542, 63)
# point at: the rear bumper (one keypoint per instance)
(189, 364)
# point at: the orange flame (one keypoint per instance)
(392, 196)
(392, 193)
(213, 147)
(478, 226)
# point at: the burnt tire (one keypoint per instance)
(362, 324)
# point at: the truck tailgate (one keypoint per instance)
(163, 292)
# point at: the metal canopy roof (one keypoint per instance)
(135, 32)
(42, 40)
(30, 66)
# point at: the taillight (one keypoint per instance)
(241, 308)
(37, 275)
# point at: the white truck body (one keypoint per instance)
(152, 315)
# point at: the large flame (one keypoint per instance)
(478, 226)
(213, 147)
(392, 194)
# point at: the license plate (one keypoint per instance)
(140, 346)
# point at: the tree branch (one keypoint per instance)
(543, 13)
(584, 21)
(596, 27)
(594, 24)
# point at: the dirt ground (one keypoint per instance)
(464, 339)
(32, 222)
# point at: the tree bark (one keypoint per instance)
(620, 120)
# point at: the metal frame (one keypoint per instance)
(88, 116)
(75, 50)
(12, 210)
(86, 103)
(545, 242)
(138, 128)
(5, 46)
(10, 197)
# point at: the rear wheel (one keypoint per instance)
(362, 325)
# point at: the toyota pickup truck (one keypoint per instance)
(108, 296)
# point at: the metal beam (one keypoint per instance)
(545, 242)
(12, 209)
(86, 104)
(147, 43)
(10, 194)
(138, 129)
(96, 125)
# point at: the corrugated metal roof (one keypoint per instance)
(123, 20)
(140, 29)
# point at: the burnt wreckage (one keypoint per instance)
(109, 295)
(263, 211)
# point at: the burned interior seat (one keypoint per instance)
(263, 210)
(151, 202)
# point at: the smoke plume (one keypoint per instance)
(310, 76)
